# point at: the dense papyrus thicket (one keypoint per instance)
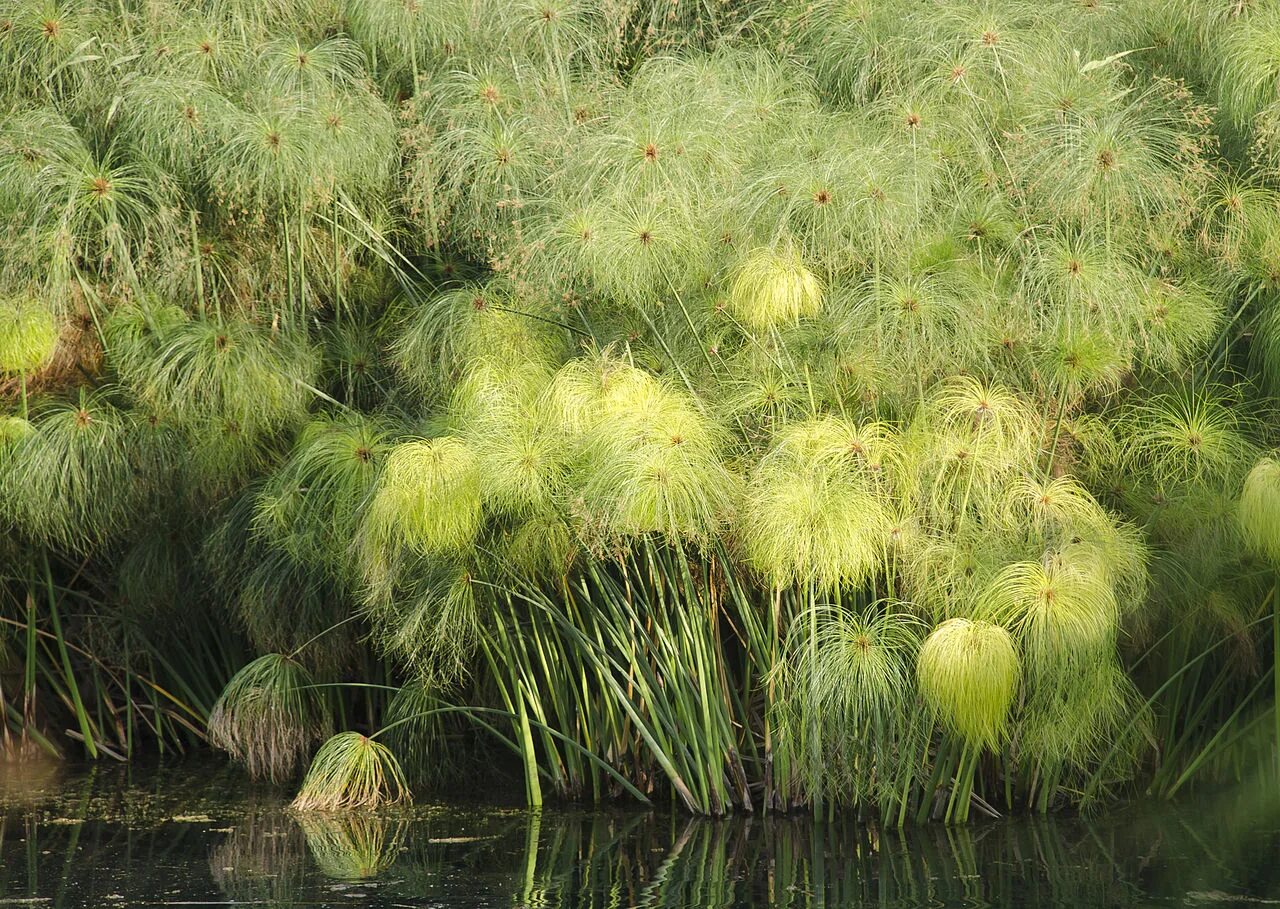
(757, 404)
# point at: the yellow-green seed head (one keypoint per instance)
(28, 336)
(969, 672)
(13, 429)
(1259, 509)
(812, 513)
(428, 498)
(772, 289)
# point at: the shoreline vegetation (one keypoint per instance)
(752, 406)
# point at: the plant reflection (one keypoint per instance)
(98, 843)
(262, 859)
(352, 847)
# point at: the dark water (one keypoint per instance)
(197, 835)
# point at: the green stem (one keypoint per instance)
(195, 249)
(815, 742)
(533, 788)
(302, 263)
(1057, 430)
(337, 262)
(941, 761)
(29, 679)
(82, 717)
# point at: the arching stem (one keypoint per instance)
(195, 250)
(1057, 430)
(337, 262)
(815, 741)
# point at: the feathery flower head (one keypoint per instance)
(269, 716)
(812, 514)
(13, 429)
(352, 772)
(1064, 608)
(773, 288)
(28, 336)
(651, 458)
(969, 672)
(1260, 509)
(428, 496)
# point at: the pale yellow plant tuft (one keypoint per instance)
(1259, 509)
(772, 289)
(428, 498)
(969, 673)
(28, 336)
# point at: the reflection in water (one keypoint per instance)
(262, 859)
(102, 839)
(352, 847)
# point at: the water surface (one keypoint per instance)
(196, 834)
